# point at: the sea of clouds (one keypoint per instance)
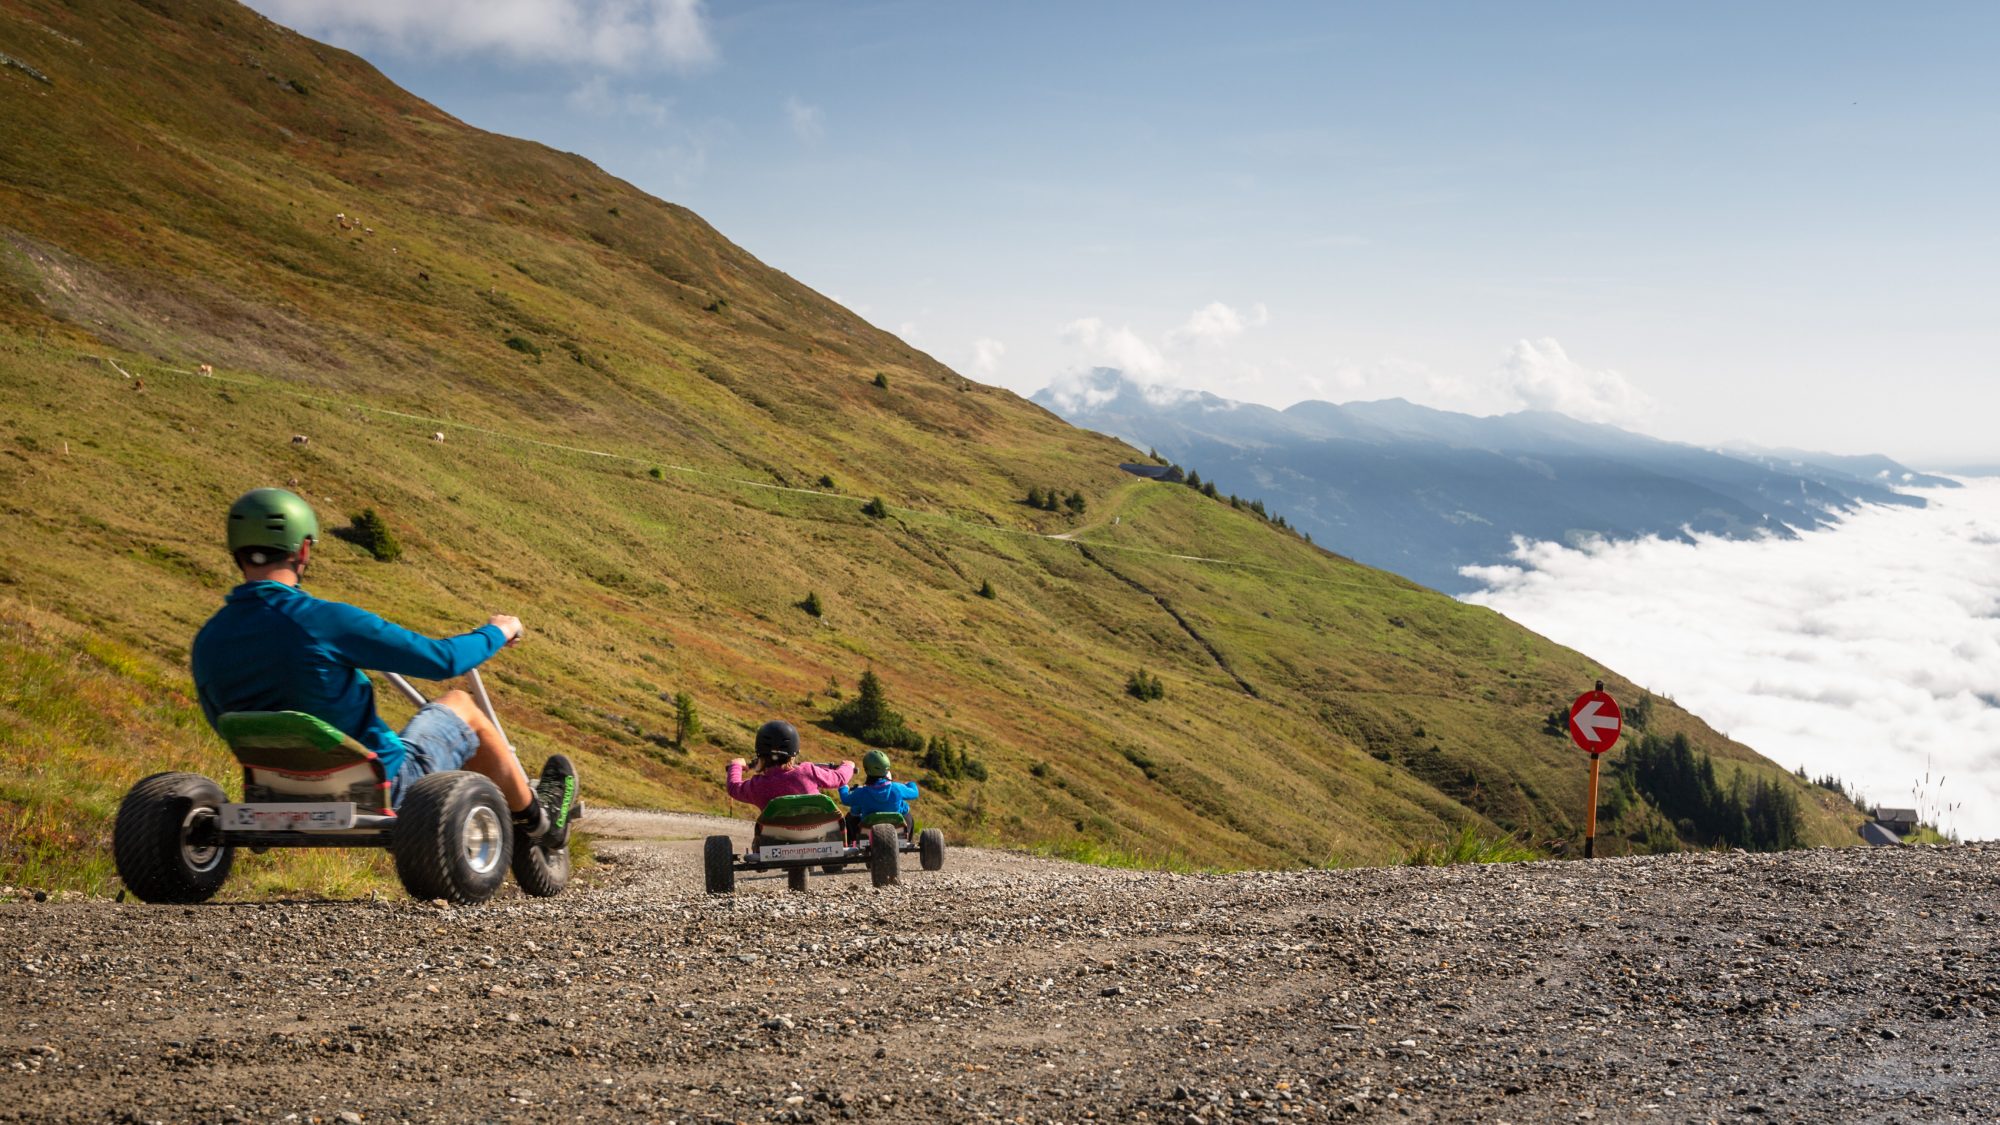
(1869, 650)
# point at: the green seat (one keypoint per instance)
(876, 818)
(799, 818)
(799, 810)
(293, 756)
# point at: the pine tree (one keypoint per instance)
(372, 533)
(1034, 497)
(986, 589)
(811, 604)
(687, 720)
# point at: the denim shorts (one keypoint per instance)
(435, 740)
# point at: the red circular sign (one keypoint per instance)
(1594, 722)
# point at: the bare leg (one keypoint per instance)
(494, 759)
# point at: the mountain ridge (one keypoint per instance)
(1426, 492)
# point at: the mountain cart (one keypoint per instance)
(797, 833)
(307, 785)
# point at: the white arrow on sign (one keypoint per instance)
(1592, 724)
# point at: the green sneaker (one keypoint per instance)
(557, 791)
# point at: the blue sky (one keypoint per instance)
(1768, 222)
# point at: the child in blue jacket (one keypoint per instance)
(881, 794)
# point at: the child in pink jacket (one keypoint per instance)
(777, 774)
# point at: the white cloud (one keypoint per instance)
(1118, 347)
(621, 34)
(1540, 375)
(597, 96)
(808, 121)
(1870, 650)
(1544, 377)
(1215, 324)
(1154, 365)
(908, 331)
(986, 353)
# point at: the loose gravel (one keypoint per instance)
(1833, 985)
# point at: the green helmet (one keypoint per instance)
(271, 517)
(875, 764)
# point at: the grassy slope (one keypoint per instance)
(169, 200)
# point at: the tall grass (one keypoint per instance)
(1470, 846)
(1107, 855)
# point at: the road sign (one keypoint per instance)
(1594, 722)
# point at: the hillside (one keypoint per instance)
(1426, 492)
(654, 448)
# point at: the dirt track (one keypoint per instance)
(1812, 986)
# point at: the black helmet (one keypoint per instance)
(777, 741)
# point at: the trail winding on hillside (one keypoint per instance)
(1824, 985)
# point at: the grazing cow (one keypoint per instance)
(301, 439)
(205, 370)
(437, 435)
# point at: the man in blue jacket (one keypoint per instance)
(882, 794)
(274, 647)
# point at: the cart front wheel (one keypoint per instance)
(454, 838)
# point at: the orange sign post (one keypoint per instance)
(1594, 723)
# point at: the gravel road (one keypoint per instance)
(1826, 985)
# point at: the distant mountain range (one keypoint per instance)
(1425, 492)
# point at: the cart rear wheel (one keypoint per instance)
(164, 839)
(795, 878)
(453, 838)
(930, 848)
(884, 859)
(718, 864)
(542, 872)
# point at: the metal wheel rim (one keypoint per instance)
(200, 858)
(482, 839)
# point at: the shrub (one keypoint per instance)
(826, 482)
(525, 346)
(986, 590)
(371, 533)
(1139, 758)
(1039, 769)
(869, 718)
(1075, 502)
(1034, 498)
(811, 604)
(947, 760)
(882, 380)
(1144, 685)
(875, 508)
(657, 473)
